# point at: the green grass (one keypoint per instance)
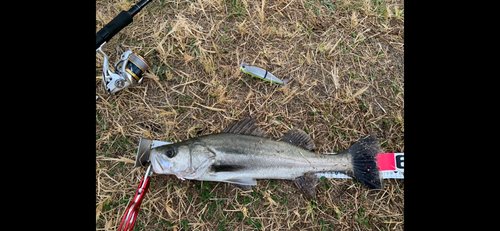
(329, 5)
(184, 224)
(360, 217)
(236, 8)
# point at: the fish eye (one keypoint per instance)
(170, 153)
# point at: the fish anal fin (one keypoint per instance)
(298, 138)
(307, 184)
(246, 126)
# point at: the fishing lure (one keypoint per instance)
(261, 74)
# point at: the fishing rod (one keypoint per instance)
(131, 66)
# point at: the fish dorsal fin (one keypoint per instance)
(298, 138)
(246, 126)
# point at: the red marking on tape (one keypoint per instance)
(386, 162)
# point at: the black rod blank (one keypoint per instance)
(118, 23)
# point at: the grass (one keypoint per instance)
(345, 61)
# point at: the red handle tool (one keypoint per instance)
(133, 209)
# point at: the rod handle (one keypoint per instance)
(112, 28)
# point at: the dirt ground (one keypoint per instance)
(345, 61)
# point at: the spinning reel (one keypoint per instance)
(130, 68)
(129, 71)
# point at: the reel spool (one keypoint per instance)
(129, 71)
(136, 66)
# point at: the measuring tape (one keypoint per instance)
(391, 166)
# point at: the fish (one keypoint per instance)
(242, 154)
(261, 74)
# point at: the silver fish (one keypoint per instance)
(242, 153)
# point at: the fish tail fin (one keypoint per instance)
(364, 162)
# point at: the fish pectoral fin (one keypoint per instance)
(242, 181)
(298, 138)
(307, 184)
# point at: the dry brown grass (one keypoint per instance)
(346, 65)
